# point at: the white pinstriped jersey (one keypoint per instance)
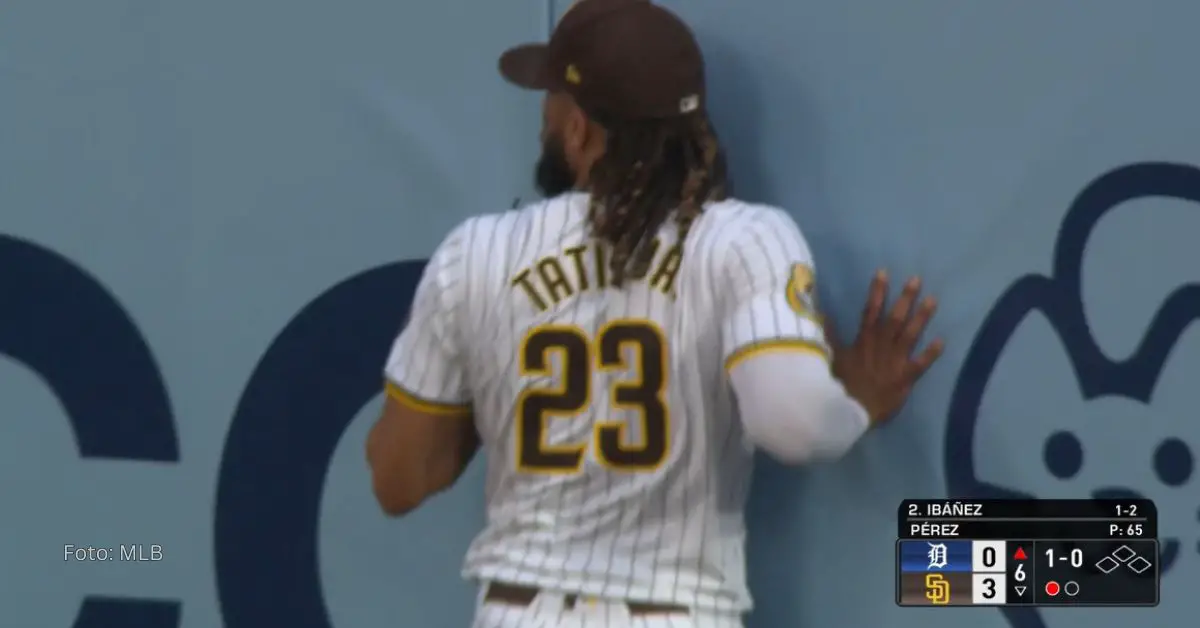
(616, 465)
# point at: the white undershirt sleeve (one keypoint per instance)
(793, 409)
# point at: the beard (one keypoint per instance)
(553, 175)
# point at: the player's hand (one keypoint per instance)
(879, 368)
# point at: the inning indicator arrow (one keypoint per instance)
(1020, 590)
(1019, 554)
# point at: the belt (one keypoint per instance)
(517, 595)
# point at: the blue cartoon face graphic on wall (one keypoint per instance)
(1040, 409)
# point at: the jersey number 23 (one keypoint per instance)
(642, 393)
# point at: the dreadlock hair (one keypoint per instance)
(649, 169)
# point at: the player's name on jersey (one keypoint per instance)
(555, 278)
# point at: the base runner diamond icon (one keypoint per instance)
(1107, 564)
(1123, 553)
(1139, 565)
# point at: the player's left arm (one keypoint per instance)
(426, 436)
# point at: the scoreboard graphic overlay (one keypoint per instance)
(1068, 552)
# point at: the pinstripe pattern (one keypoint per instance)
(674, 534)
(549, 611)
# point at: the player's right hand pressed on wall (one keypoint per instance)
(879, 368)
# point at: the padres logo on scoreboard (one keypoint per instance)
(937, 589)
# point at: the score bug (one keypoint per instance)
(1027, 553)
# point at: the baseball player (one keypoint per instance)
(620, 349)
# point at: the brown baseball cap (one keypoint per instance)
(630, 58)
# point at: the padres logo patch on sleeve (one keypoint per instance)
(801, 290)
